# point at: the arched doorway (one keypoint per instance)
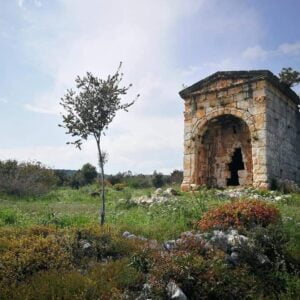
(224, 156)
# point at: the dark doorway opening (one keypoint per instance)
(235, 165)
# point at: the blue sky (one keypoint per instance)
(163, 44)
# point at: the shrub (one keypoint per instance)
(62, 176)
(8, 217)
(195, 275)
(30, 254)
(176, 177)
(113, 279)
(139, 181)
(119, 186)
(89, 173)
(104, 243)
(103, 281)
(157, 179)
(25, 179)
(239, 214)
(50, 285)
(285, 186)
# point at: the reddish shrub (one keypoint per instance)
(239, 214)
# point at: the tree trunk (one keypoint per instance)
(101, 165)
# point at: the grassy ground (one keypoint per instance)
(73, 209)
(67, 208)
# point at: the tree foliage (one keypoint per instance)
(89, 173)
(157, 179)
(289, 76)
(89, 111)
(26, 178)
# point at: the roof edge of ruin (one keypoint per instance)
(251, 75)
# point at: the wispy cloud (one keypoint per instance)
(3, 100)
(254, 53)
(290, 48)
(21, 3)
(259, 53)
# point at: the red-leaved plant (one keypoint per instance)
(239, 214)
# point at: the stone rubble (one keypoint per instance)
(159, 196)
(229, 241)
(175, 292)
(252, 194)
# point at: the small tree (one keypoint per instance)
(157, 179)
(176, 176)
(89, 173)
(289, 76)
(91, 110)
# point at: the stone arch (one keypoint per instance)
(242, 114)
(214, 146)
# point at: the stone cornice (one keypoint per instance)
(247, 76)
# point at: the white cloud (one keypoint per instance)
(3, 100)
(36, 3)
(259, 53)
(290, 49)
(255, 52)
(20, 3)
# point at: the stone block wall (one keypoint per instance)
(283, 136)
(252, 104)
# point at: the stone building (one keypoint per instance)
(240, 128)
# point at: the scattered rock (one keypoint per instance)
(145, 293)
(187, 234)
(175, 292)
(263, 259)
(233, 258)
(169, 245)
(251, 193)
(230, 241)
(169, 192)
(153, 244)
(131, 236)
(126, 234)
(158, 192)
(144, 200)
(85, 244)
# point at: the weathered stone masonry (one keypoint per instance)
(240, 128)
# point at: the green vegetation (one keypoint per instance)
(42, 253)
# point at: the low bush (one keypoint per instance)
(239, 214)
(49, 285)
(29, 254)
(285, 186)
(8, 217)
(25, 252)
(104, 243)
(119, 186)
(26, 179)
(195, 275)
(113, 280)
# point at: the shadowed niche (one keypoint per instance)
(234, 166)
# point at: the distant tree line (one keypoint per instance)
(156, 180)
(35, 179)
(26, 178)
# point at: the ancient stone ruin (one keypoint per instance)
(240, 128)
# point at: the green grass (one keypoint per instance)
(74, 208)
(67, 208)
